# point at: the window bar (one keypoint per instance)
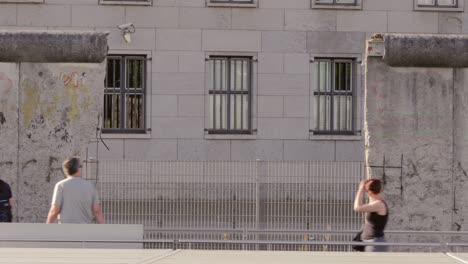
(351, 82)
(228, 93)
(106, 95)
(143, 99)
(235, 95)
(136, 88)
(116, 115)
(319, 64)
(213, 92)
(346, 115)
(242, 96)
(249, 94)
(340, 77)
(221, 95)
(123, 87)
(134, 98)
(112, 115)
(332, 94)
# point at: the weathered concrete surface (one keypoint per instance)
(428, 50)
(48, 111)
(9, 124)
(460, 150)
(419, 113)
(53, 46)
(57, 119)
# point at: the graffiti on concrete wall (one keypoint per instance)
(6, 89)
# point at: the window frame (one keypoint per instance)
(355, 133)
(126, 2)
(459, 7)
(356, 6)
(250, 133)
(232, 3)
(146, 108)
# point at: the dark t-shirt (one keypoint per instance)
(5, 195)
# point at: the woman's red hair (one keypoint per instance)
(373, 185)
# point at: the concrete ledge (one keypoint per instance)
(53, 46)
(426, 50)
(76, 235)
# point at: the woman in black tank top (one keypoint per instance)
(376, 213)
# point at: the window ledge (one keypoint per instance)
(439, 9)
(23, 1)
(128, 2)
(124, 135)
(231, 136)
(336, 137)
(358, 6)
(251, 5)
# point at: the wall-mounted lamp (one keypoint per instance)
(126, 30)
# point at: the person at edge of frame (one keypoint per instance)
(376, 213)
(6, 203)
(75, 200)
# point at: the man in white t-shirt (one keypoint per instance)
(75, 200)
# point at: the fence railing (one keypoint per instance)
(234, 195)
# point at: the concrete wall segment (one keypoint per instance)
(9, 74)
(8, 15)
(310, 20)
(409, 112)
(258, 19)
(425, 50)
(385, 5)
(39, 15)
(179, 39)
(53, 46)
(178, 83)
(413, 22)
(270, 62)
(205, 18)
(283, 84)
(335, 42)
(59, 109)
(258, 149)
(152, 17)
(232, 40)
(460, 150)
(284, 41)
(364, 21)
(97, 16)
(192, 149)
(153, 149)
(450, 23)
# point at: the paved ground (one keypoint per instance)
(141, 256)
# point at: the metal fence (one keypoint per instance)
(221, 200)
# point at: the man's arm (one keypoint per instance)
(53, 214)
(98, 213)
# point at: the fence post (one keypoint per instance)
(261, 196)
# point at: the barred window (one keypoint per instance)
(230, 92)
(437, 3)
(124, 94)
(333, 96)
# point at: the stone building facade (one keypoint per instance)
(178, 48)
